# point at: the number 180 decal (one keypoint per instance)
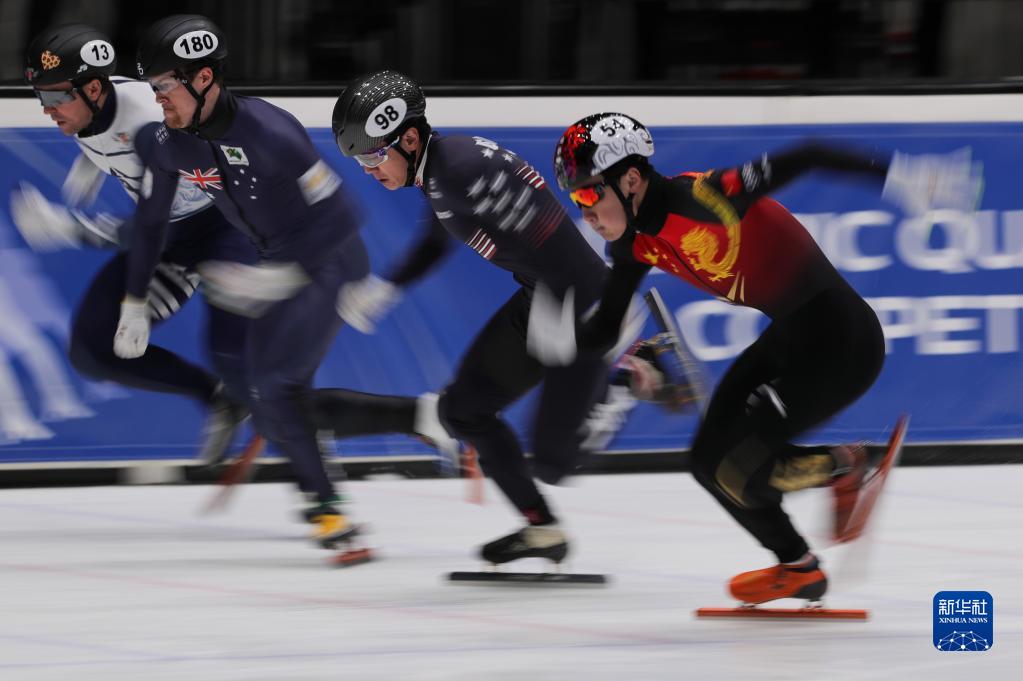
(387, 115)
(195, 44)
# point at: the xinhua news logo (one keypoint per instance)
(964, 621)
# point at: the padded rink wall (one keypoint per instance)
(948, 288)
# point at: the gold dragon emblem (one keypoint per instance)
(701, 248)
(700, 245)
(49, 60)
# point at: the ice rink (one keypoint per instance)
(132, 583)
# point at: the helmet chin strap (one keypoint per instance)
(410, 158)
(93, 107)
(200, 100)
(630, 214)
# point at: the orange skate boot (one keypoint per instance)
(787, 580)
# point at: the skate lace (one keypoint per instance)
(778, 576)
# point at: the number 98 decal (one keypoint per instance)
(385, 117)
(195, 44)
(97, 53)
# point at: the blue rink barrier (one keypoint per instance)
(949, 292)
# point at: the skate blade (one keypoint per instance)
(872, 487)
(489, 577)
(351, 558)
(811, 613)
(239, 470)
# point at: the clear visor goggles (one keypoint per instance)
(374, 158)
(165, 84)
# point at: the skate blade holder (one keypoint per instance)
(494, 576)
(814, 610)
(349, 553)
(235, 472)
(351, 557)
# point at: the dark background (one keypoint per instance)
(671, 43)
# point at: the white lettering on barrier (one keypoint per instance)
(938, 325)
(957, 236)
(940, 241)
(742, 325)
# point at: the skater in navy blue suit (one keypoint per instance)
(258, 165)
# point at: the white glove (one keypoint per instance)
(363, 303)
(82, 183)
(550, 334)
(249, 290)
(132, 335)
(45, 226)
(927, 182)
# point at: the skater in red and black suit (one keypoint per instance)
(718, 231)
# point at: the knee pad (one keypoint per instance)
(801, 472)
(740, 475)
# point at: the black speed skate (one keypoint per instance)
(533, 541)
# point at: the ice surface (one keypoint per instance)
(130, 583)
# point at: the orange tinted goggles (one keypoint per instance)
(587, 197)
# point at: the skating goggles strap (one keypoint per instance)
(587, 197)
(55, 97)
(375, 158)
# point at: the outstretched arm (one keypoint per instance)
(362, 304)
(916, 182)
(433, 246)
(745, 184)
(786, 166)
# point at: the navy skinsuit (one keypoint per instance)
(202, 235)
(259, 166)
(497, 204)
